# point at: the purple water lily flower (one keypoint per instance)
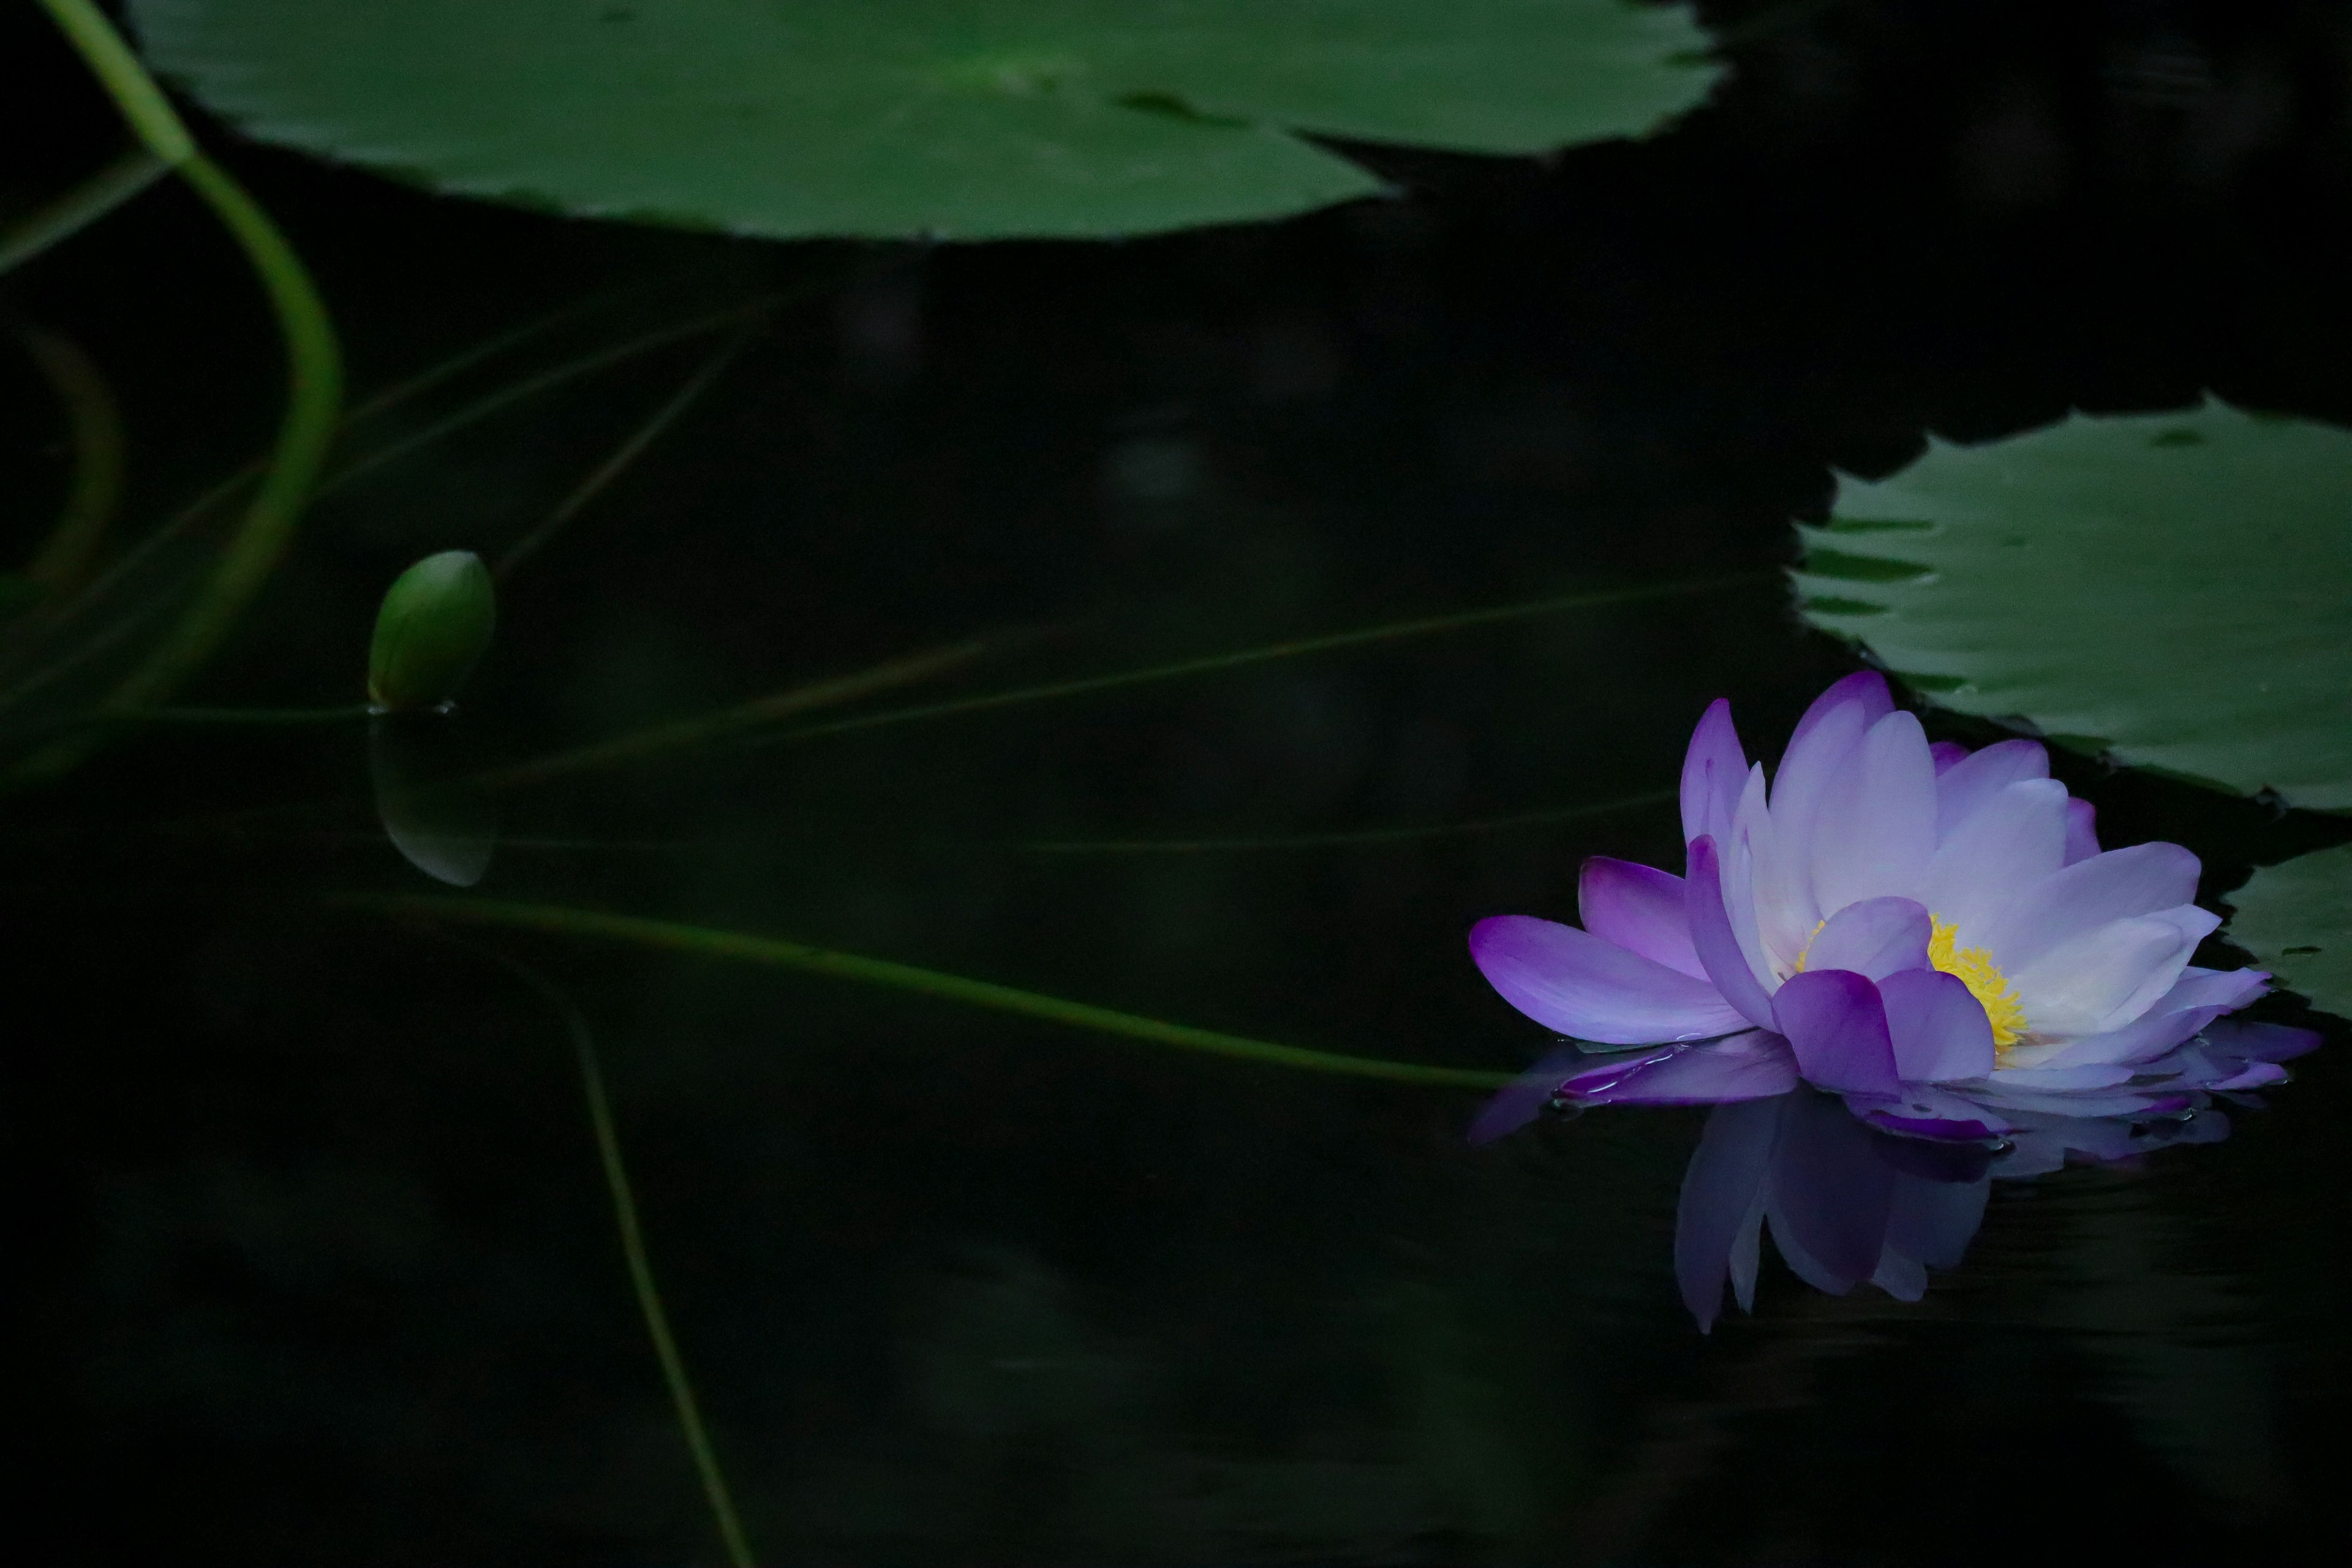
(1932, 933)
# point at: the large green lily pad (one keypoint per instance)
(2174, 589)
(965, 119)
(2297, 918)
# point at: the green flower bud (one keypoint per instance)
(437, 620)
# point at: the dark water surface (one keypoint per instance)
(311, 1258)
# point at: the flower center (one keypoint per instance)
(1975, 969)
(1986, 983)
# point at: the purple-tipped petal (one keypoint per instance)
(1722, 1200)
(2262, 1042)
(1522, 1102)
(1864, 691)
(1937, 1129)
(1711, 935)
(2118, 885)
(1946, 753)
(1877, 827)
(1921, 1107)
(2082, 830)
(1755, 1064)
(1641, 910)
(1964, 787)
(2254, 1075)
(1837, 1028)
(1937, 1026)
(1575, 984)
(1873, 939)
(1713, 770)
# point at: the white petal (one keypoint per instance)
(1877, 826)
(1976, 778)
(1813, 763)
(2013, 840)
(2105, 978)
(1873, 939)
(2089, 894)
(1751, 836)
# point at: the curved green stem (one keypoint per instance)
(126, 81)
(94, 426)
(703, 941)
(315, 387)
(314, 373)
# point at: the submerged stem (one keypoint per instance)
(87, 203)
(704, 941)
(638, 744)
(641, 1269)
(1268, 653)
(628, 452)
(95, 433)
(1347, 838)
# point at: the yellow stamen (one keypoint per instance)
(1986, 983)
(1975, 969)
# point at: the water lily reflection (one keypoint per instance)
(1847, 1201)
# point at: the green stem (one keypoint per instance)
(533, 385)
(196, 510)
(314, 379)
(703, 941)
(126, 81)
(87, 203)
(639, 744)
(640, 1271)
(314, 373)
(94, 423)
(673, 409)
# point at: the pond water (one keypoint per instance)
(313, 1260)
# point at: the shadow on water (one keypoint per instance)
(313, 1261)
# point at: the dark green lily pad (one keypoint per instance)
(948, 118)
(2297, 918)
(2175, 590)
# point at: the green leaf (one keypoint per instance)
(2173, 589)
(2297, 918)
(948, 118)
